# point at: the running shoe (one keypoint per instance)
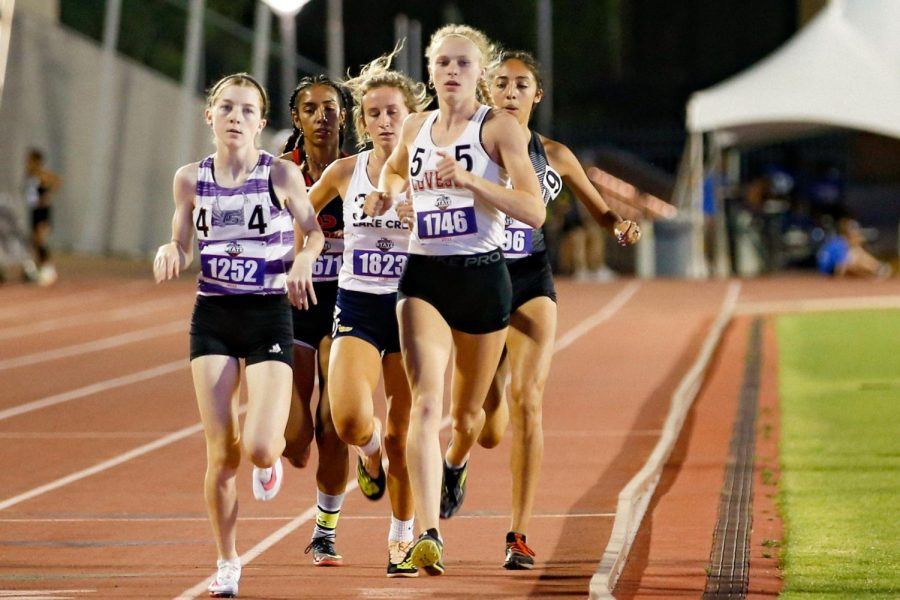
(324, 554)
(225, 585)
(371, 487)
(518, 555)
(267, 482)
(453, 489)
(399, 561)
(428, 553)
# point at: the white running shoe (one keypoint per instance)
(47, 275)
(267, 482)
(225, 585)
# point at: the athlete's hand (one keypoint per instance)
(627, 232)
(405, 210)
(449, 169)
(299, 282)
(377, 203)
(167, 264)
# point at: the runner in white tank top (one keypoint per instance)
(516, 88)
(374, 248)
(449, 218)
(366, 341)
(454, 297)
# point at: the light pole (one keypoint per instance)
(287, 12)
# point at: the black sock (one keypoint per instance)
(511, 537)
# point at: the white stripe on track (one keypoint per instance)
(107, 464)
(103, 344)
(818, 305)
(59, 323)
(95, 388)
(28, 309)
(605, 313)
(205, 519)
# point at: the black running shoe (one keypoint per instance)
(324, 554)
(453, 489)
(428, 553)
(518, 555)
(371, 487)
(399, 560)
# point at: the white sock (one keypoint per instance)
(401, 531)
(327, 514)
(372, 446)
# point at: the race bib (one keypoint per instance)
(517, 241)
(446, 223)
(378, 264)
(329, 262)
(237, 264)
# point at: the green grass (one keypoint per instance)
(839, 378)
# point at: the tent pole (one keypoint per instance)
(697, 268)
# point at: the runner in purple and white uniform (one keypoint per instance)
(250, 214)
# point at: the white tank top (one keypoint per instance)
(374, 248)
(450, 220)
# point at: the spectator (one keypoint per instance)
(843, 254)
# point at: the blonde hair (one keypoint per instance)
(240, 79)
(482, 43)
(379, 74)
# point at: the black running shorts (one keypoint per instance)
(255, 327)
(472, 292)
(532, 278)
(311, 326)
(370, 317)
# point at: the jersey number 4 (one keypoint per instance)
(257, 221)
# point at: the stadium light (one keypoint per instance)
(286, 8)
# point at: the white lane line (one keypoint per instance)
(95, 388)
(80, 435)
(39, 594)
(27, 309)
(636, 495)
(131, 337)
(57, 324)
(107, 464)
(818, 305)
(603, 314)
(205, 519)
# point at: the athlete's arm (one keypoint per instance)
(51, 181)
(395, 172)
(333, 182)
(308, 238)
(573, 175)
(506, 143)
(174, 257)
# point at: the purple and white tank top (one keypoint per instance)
(245, 235)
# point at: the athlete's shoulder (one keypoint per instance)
(558, 154)
(188, 173)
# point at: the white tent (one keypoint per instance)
(841, 70)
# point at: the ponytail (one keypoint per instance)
(483, 92)
(291, 143)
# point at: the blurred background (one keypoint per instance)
(738, 132)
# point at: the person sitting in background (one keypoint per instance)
(843, 254)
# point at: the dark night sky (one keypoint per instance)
(623, 69)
